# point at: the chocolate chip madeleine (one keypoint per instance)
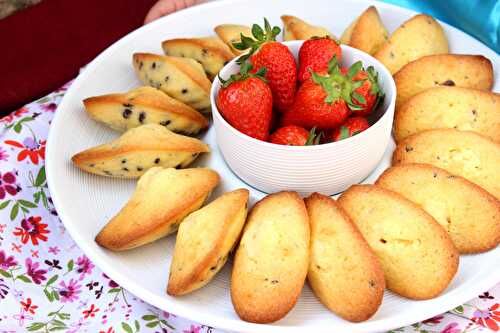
(463, 153)
(144, 105)
(204, 240)
(295, 28)
(211, 52)
(139, 149)
(417, 255)
(231, 33)
(162, 199)
(182, 78)
(367, 32)
(271, 261)
(417, 37)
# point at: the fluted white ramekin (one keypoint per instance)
(328, 168)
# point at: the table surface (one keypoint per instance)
(48, 284)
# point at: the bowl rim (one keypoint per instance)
(216, 84)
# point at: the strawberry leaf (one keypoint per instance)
(339, 86)
(245, 43)
(245, 68)
(379, 101)
(373, 78)
(260, 73)
(359, 97)
(333, 65)
(317, 140)
(357, 84)
(344, 133)
(260, 36)
(355, 107)
(354, 69)
(333, 92)
(311, 136)
(257, 32)
(276, 31)
(244, 73)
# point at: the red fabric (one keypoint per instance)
(45, 45)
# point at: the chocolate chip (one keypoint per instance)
(155, 84)
(178, 166)
(165, 122)
(474, 112)
(127, 105)
(204, 52)
(318, 266)
(126, 113)
(157, 160)
(408, 149)
(274, 281)
(184, 91)
(391, 54)
(371, 283)
(383, 241)
(142, 116)
(139, 169)
(434, 175)
(125, 169)
(141, 64)
(124, 160)
(450, 177)
(213, 268)
(167, 78)
(153, 65)
(448, 83)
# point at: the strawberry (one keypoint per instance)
(350, 127)
(246, 102)
(324, 101)
(311, 108)
(315, 53)
(369, 94)
(290, 135)
(266, 52)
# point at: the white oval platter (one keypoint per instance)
(86, 202)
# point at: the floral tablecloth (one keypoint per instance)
(48, 284)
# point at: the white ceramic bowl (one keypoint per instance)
(328, 168)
